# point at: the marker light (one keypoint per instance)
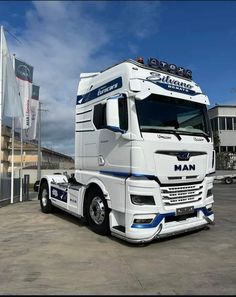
(140, 60)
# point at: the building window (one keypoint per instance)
(234, 123)
(230, 149)
(222, 123)
(223, 148)
(229, 123)
(214, 124)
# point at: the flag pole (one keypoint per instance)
(21, 148)
(1, 96)
(39, 143)
(12, 149)
(21, 162)
(12, 158)
(21, 143)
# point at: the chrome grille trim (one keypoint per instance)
(182, 194)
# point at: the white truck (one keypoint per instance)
(144, 157)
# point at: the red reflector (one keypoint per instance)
(140, 60)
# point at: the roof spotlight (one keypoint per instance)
(163, 65)
(172, 68)
(140, 60)
(188, 73)
(154, 63)
(180, 71)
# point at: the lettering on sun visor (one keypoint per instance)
(171, 84)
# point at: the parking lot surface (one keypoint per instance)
(58, 254)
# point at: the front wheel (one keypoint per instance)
(228, 180)
(97, 212)
(45, 202)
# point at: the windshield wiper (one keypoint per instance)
(174, 132)
(205, 135)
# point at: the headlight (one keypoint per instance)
(142, 200)
(209, 193)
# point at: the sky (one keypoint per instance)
(61, 39)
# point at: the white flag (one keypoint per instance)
(12, 104)
(24, 76)
(30, 133)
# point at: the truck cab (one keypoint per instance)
(144, 157)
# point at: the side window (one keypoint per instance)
(123, 114)
(99, 116)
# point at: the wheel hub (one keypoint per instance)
(44, 197)
(97, 210)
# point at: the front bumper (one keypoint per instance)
(164, 220)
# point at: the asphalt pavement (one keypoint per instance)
(58, 254)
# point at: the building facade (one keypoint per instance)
(50, 159)
(223, 122)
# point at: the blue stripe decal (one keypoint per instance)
(118, 174)
(102, 90)
(157, 220)
(125, 174)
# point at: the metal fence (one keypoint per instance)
(5, 188)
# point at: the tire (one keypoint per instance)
(97, 212)
(228, 180)
(45, 202)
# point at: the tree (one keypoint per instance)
(216, 139)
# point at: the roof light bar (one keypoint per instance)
(172, 68)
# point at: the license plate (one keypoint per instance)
(184, 210)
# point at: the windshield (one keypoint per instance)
(161, 113)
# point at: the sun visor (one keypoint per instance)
(145, 88)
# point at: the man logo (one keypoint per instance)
(183, 156)
(185, 167)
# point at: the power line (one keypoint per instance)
(12, 35)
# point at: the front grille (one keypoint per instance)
(181, 194)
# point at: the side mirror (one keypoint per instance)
(112, 114)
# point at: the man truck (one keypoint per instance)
(144, 156)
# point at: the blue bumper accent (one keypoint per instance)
(157, 220)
